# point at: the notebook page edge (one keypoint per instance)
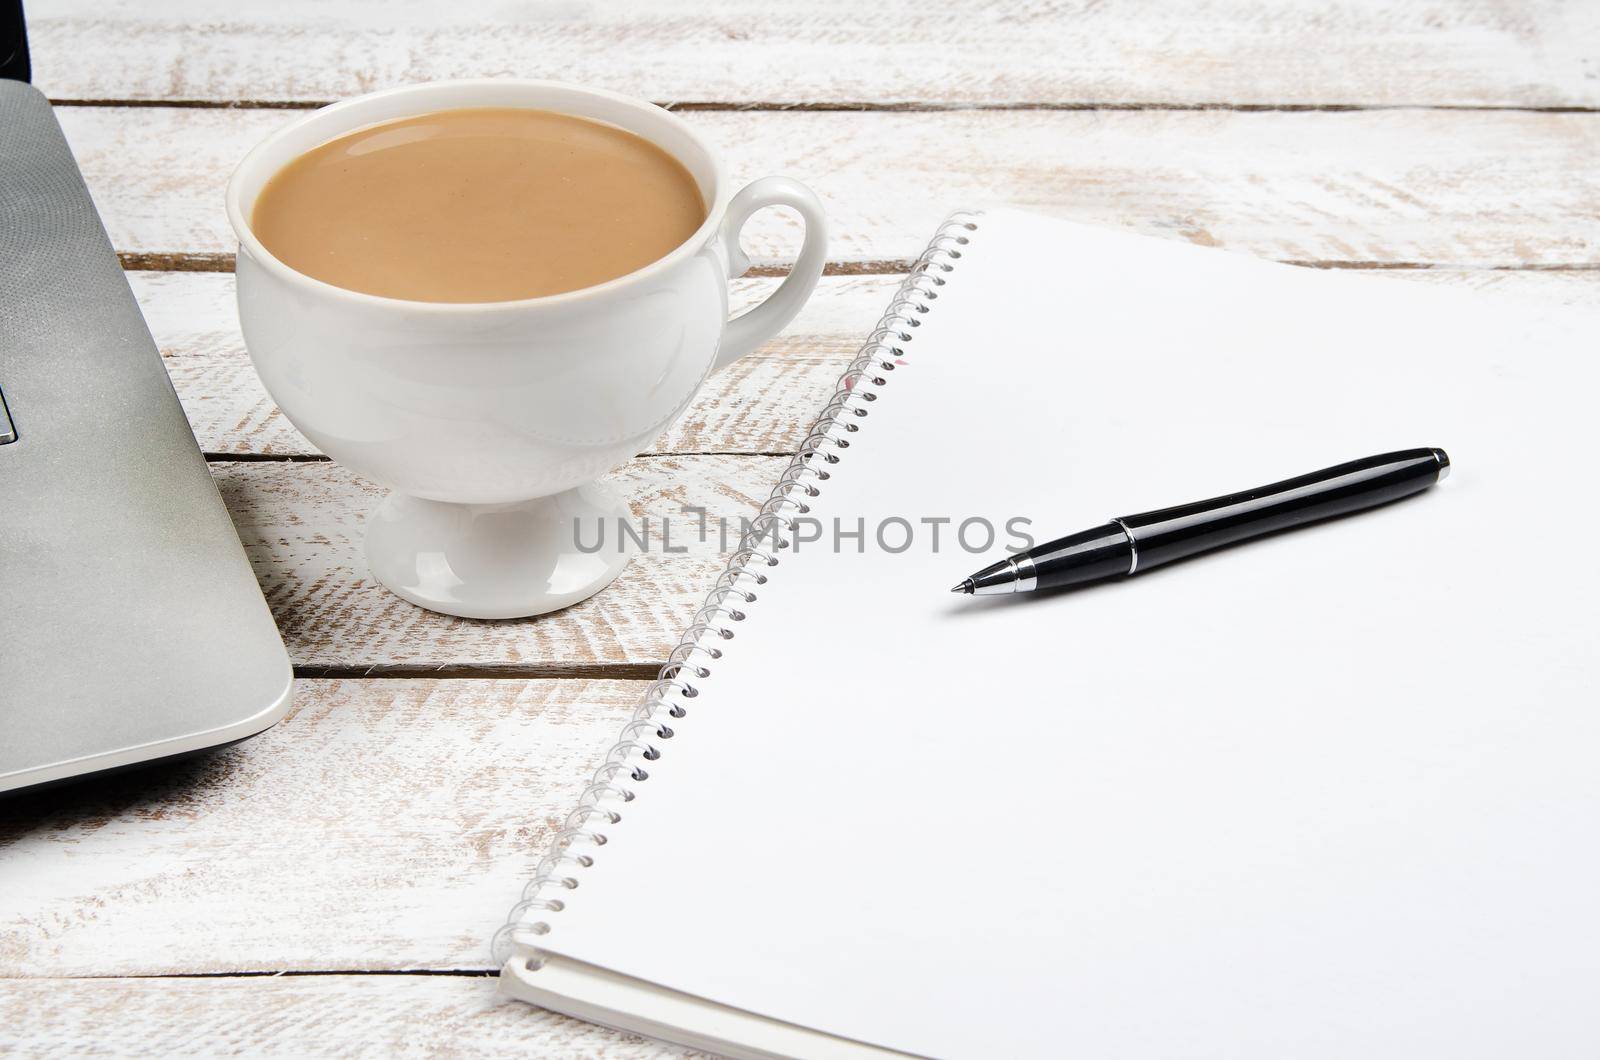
(623, 1002)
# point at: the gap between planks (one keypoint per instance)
(213, 457)
(900, 106)
(644, 671)
(288, 973)
(180, 261)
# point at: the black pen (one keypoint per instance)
(1136, 543)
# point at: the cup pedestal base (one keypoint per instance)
(497, 560)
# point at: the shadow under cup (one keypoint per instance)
(491, 421)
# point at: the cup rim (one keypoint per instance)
(257, 250)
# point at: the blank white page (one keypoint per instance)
(1329, 794)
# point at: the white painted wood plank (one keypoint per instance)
(384, 824)
(295, 1017)
(763, 404)
(302, 526)
(836, 51)
(1465, 188)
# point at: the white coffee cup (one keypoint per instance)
(491, 421)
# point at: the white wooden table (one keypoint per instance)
(331, 885)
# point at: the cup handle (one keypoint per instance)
(754, 326)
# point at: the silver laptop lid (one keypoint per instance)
(131, 626)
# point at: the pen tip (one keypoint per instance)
(964, 587)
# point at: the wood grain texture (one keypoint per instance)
(302, 526)
(384, 824)
(1428, 186)
(1254, 52)
(762, 404)
(294, 1017)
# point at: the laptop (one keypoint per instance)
(131, 625)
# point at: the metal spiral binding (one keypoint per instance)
(830, 434)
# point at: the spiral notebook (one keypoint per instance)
(1329, 794)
